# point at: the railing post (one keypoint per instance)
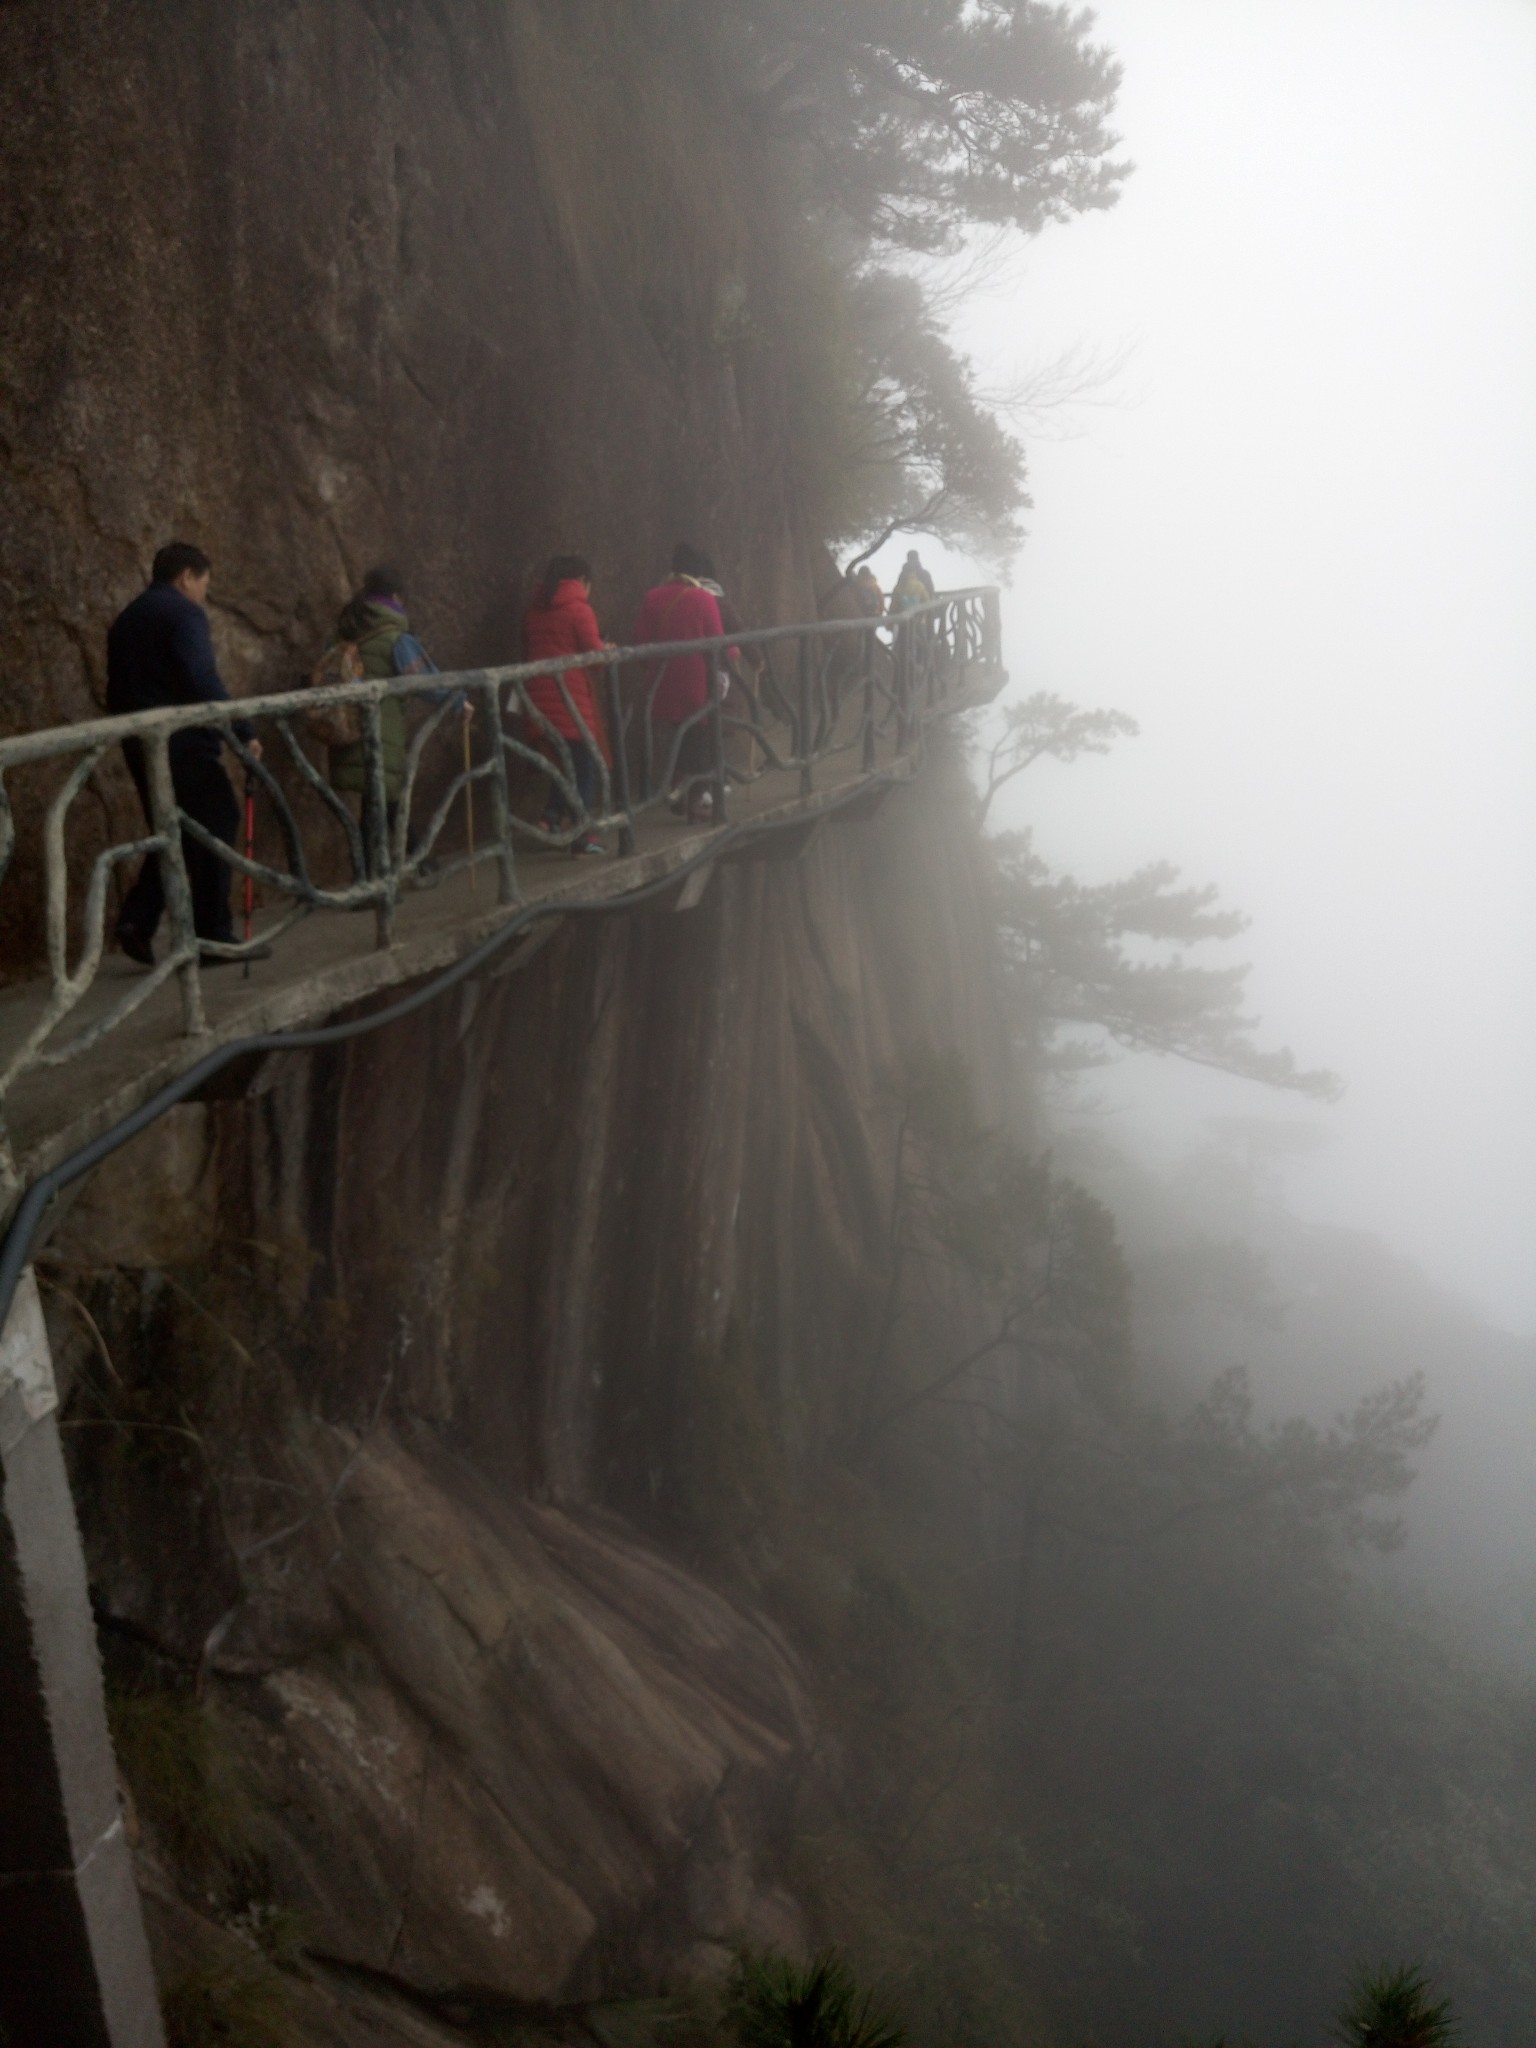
(376, 823)
(620, 740)
(992, 611)
(501, 799)
(716, 730)
(74, 1964)
(803, 736)
(166, 816)
(868, 754)
(901, 670)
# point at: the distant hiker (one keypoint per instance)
(561, 620)
(160, 652)
(677, 689)
(375, 622)
(914, 586)
(857, 596)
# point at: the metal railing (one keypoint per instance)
(859, 687)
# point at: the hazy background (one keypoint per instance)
(1295, 537)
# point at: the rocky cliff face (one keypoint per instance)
(443, 1364)
(333, 280)
(421, 1395)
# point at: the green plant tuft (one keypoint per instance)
(183, 1774)
(1393, 2009)
(774, 2003)
(274, 1930)
(234, 2003)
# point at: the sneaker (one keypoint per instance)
(677, 802)
(701, 807)
(135, 945)
(588, 843)
(260, 951)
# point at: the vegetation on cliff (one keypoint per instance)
(907, 130)
(1106, 966)
(1131, 1742)
(1133, 1737)
(1118, 1732)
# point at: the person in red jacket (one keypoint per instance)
(561, 620)
(678, 689)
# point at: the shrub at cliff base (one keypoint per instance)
(1394, 2009)
(774, 2003)
(234, 2003)
(183, 1776)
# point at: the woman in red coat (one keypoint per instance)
(682, 609)
(561, 621)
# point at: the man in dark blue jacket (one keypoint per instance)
(160, 652)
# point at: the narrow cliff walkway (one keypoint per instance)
(331, 960)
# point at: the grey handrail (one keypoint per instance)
(862, 686)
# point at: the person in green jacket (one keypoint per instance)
(375, 622)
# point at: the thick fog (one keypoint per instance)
(1294, 533)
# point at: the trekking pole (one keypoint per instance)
(469, 800)
(250, 854)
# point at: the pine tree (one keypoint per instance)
(1393, 2009)
(921, 118)
(773, 2003)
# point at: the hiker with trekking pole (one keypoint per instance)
(373, 638)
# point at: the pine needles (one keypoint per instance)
(774, 2003)
(1393, 2009)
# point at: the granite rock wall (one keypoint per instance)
(437, 1355)
(316, 282)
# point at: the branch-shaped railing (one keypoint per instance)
(859, 689)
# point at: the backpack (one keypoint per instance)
(410, 658)
(336, 725)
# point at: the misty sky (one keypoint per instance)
(1298, 542)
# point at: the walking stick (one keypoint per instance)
(250, 854)
(469, 800)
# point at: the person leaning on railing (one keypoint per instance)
(561, 620)
(160, 653)
(682, 609)
(857, 596)
(372, 622)
(376, 624)
(914, 586)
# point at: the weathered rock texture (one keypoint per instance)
(448, 1358)
(315, 282)
(422, 1391)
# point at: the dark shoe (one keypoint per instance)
(135, 945)
(260, 951)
